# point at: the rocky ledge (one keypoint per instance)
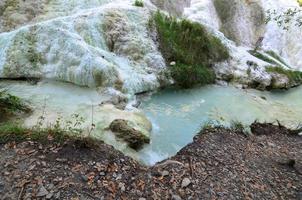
(219, 164)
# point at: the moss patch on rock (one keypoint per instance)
(123, 130)
(294, 77)
(23, 59)
(191, 47)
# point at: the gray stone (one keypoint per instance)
(42, 192)
(49, 196)
(122, 187)
(165, 173)
(1, 185)
(50, 186)
(84, 178)
(57, 196)
(185, 182)
(176, 197)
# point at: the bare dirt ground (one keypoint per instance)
(219, 164)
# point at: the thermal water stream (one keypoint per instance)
(176, 115)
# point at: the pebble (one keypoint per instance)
(57, 196)
(6, 173)
(42, 192)
(185, 182)
(176, 197)
(172, 63)
(122, 187)
(142, 198)
(49, 196)
(271, 144)
(165, 173)
(50, 186)
(1, 186)
(84, 178)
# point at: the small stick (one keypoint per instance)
(22, 189)
(190, 164)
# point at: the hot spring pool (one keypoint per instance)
(176, 115)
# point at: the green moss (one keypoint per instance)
(139, 3)
(125, 131)
(191, 47)
(295, 77)
(262, 57)
(277, 57)
(188, 75)
(34, 57)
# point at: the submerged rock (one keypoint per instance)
(126, 131)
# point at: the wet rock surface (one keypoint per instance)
(218, 164)
(123, 130)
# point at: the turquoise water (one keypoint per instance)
(177, 115)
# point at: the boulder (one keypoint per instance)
(127, 131)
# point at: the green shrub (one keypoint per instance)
(189, 45)
(188, 75)
(139, 3)
(10, 104)
(295, 77)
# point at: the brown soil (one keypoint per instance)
(219, 164)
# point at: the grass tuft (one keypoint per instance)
(239, 127)
(139, 3)
(277, 57)
(15, 132)
(262, 57)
